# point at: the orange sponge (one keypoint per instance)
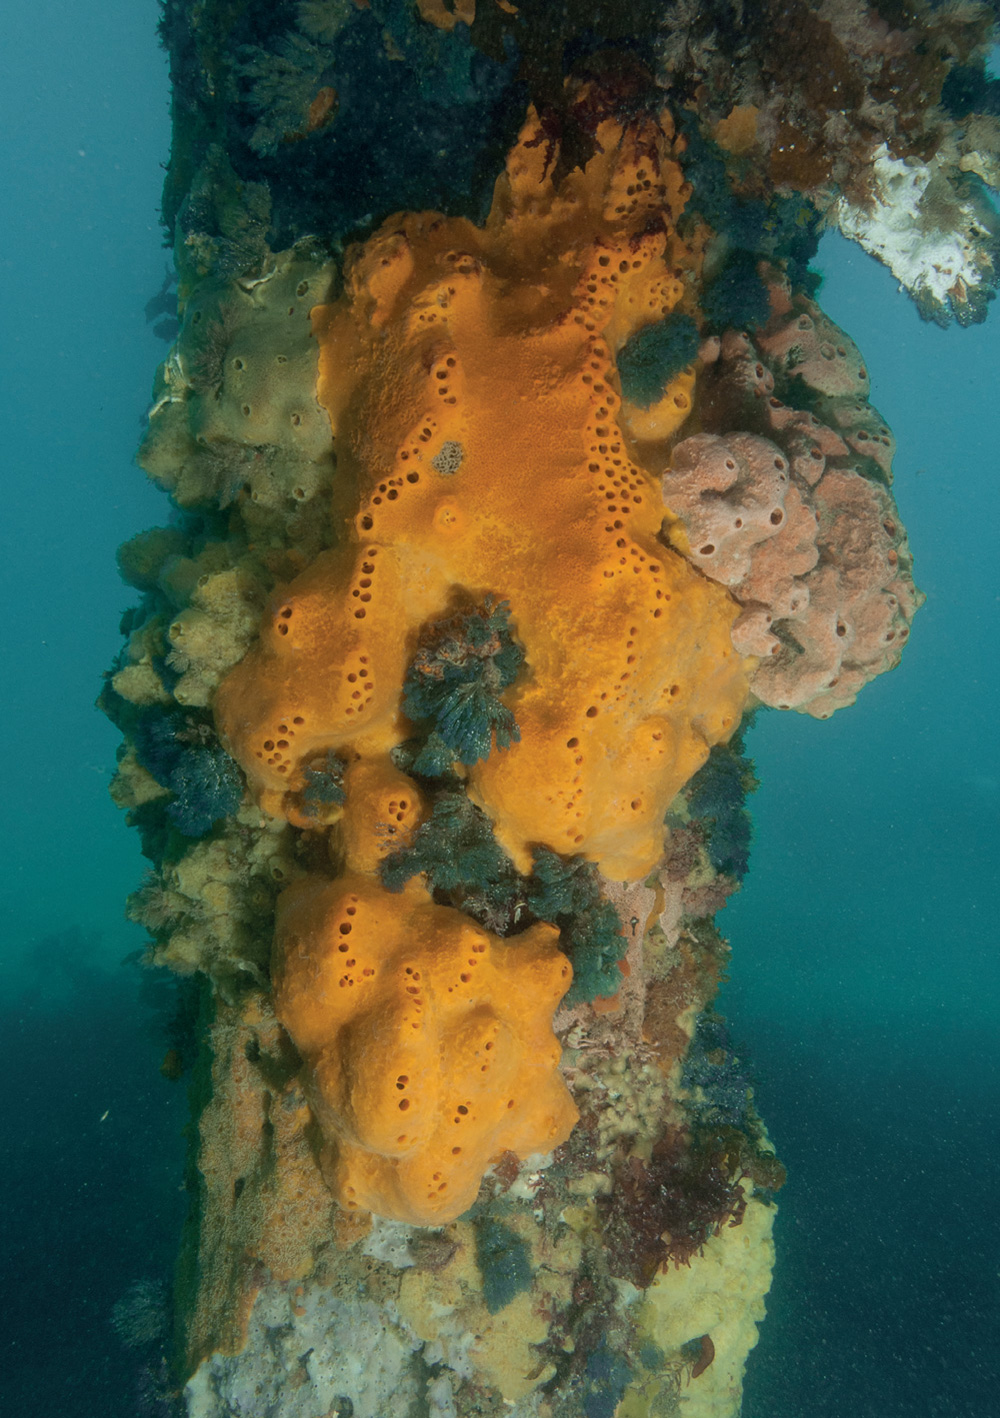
(470, 380)
(384, 809)
(428, 1042)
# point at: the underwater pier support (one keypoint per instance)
(513, 466)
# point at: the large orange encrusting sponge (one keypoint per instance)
(428, 1042)
(470, 380)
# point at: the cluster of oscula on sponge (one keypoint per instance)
(469, 375)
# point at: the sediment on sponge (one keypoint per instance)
(462, 666)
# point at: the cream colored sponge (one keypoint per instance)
(235, 405)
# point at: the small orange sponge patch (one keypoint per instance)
(429, 1042)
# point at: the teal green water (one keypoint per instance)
(865, 971)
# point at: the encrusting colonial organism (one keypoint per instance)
(469, 376)
(514, 465)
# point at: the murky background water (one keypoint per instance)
(866, 964)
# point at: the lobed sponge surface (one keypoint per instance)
(784, 498)
(429, 1042)
(469, 377)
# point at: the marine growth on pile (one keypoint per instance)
(514, 465)
(470, 380)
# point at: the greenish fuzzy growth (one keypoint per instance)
(654, 355)
(183, 754)
(791, 237)
(459, 857)
(455, 680)
(208, 787)
(561, 886)
(651, 1356)
(324, 784)
(594, 942)
(783, 231)
(462, 863)
(738, 296)
(282, 83)
(456, 852)
(717, 797)
(969, 88)
(718, 1081)
(431, 759)
(225, 221)
(566, 892)
(323, 20)
(608, 1377)
(504, 1263)
(705, 169)
(440, 60)
(159, 739)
